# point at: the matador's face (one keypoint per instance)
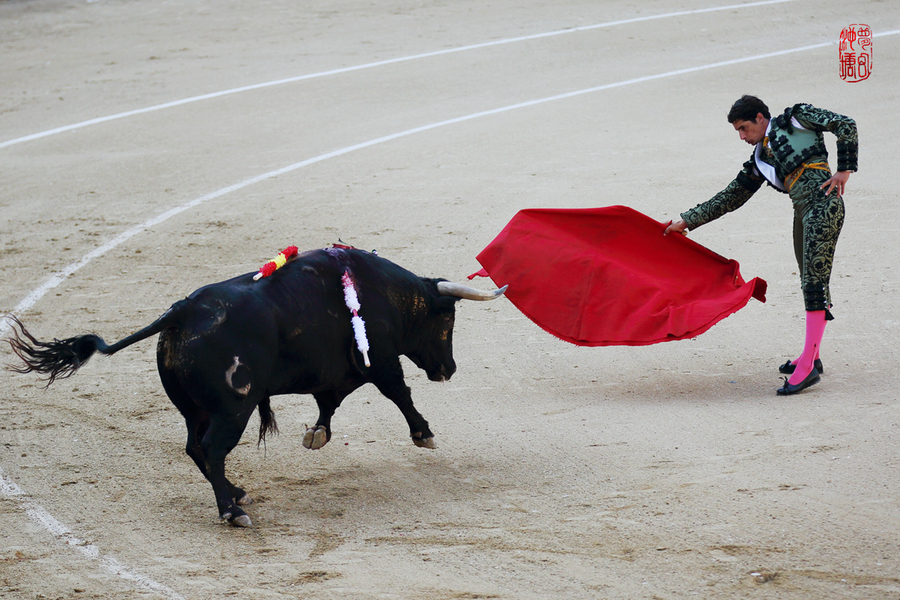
(753, 131)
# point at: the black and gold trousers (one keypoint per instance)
(818, 220)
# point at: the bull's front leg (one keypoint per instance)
(320, 434)
(391, 384)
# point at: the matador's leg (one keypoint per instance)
(821, 225)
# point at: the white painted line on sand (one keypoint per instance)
(381, 63)
(44, 519)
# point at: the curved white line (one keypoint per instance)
(247, 88)
(54, 281)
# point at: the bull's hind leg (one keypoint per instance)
(197, 429)
(197, 421)
(222, 435)
(390, 383)
(320, 434)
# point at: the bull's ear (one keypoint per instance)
(458, 290)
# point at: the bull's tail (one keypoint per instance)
(267, 422)
(62, 358)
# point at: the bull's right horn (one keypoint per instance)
(458, 290)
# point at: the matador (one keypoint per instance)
(790, 155)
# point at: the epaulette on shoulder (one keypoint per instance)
(783, 120)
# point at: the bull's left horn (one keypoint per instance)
(458, 290)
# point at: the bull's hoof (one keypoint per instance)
(245, 500)
(315, 438)
(242, 521)
(425, 443)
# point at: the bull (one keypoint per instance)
(226, 349)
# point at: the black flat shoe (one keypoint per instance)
(787, 389)
(788, 368)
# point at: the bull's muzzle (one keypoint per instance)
(458, 290)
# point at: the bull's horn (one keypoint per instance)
(458, 290)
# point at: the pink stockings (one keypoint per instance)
(815, 329)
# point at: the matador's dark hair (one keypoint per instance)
(746, 108)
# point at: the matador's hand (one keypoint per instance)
(678, 226)
(838, 180)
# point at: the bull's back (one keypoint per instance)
(288, 333)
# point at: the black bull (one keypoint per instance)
(230, 346)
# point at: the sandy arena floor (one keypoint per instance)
(149, 148)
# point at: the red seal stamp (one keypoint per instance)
(855, 49)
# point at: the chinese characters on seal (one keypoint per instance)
(855, 50)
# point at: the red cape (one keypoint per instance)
(608, 276)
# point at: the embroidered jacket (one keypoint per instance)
(795, 137)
